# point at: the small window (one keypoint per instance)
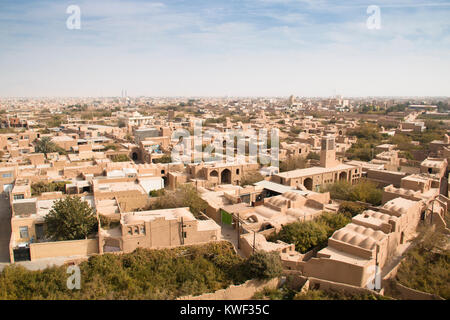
(142, 230)
(184, 234)
(19, 197)
(237, 171)
(136, 230)
(23, 232)
(130, 231)
(7, 175)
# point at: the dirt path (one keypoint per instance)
(5, 228)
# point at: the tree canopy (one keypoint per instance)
(184, 196)
(293, 163)
(250, 178)
(364, 191)
(310, 234)
(70, 219)
(264, 265)
(46, 145)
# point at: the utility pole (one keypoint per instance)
(376, 269)
(254, 238)
(238, 231)
(182, 231)
(432, 210)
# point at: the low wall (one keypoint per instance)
(321, 284)
(11, 248)
(406, 293)
(63, 248)
(243, 291)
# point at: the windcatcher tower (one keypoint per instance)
(328, 153)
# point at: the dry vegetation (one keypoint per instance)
(143, 274)
(427, 265)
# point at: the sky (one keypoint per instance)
(308, 48)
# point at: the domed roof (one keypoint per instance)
(347, 236)
(292, 195)
(339, 234)
(367, 243)
(356, 240)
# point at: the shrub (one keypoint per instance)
(282, 293)
(142, 274)
(39, 187)
(264, 265)
(426, 267)
(339, 190)
(310, 234)
(364, 191)
(333, 221)
(157, 193)
(110, 147)
(164, 159)
(351, 209)
(336, 295)
(108, 223)
(120, 158)
(250, 178)
(313, 156)
(305, 235)
(184, 196)
(293, 163)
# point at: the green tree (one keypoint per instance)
(364, 191)
(293, 163)
(184, 196)
(45, 145)
(264, 265)
(339, 190)
(333, 221)
(305, 235)
(351, 209)
(313, 156)
(250, 178)
(70, 219)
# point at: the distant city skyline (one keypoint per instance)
(218, 48)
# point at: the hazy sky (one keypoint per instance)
(224, 47)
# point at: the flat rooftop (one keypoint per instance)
(312, 171)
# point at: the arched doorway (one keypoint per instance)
(308, 183)
(342, 176)
(214, 174)
(134, 156)
(225, 177)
